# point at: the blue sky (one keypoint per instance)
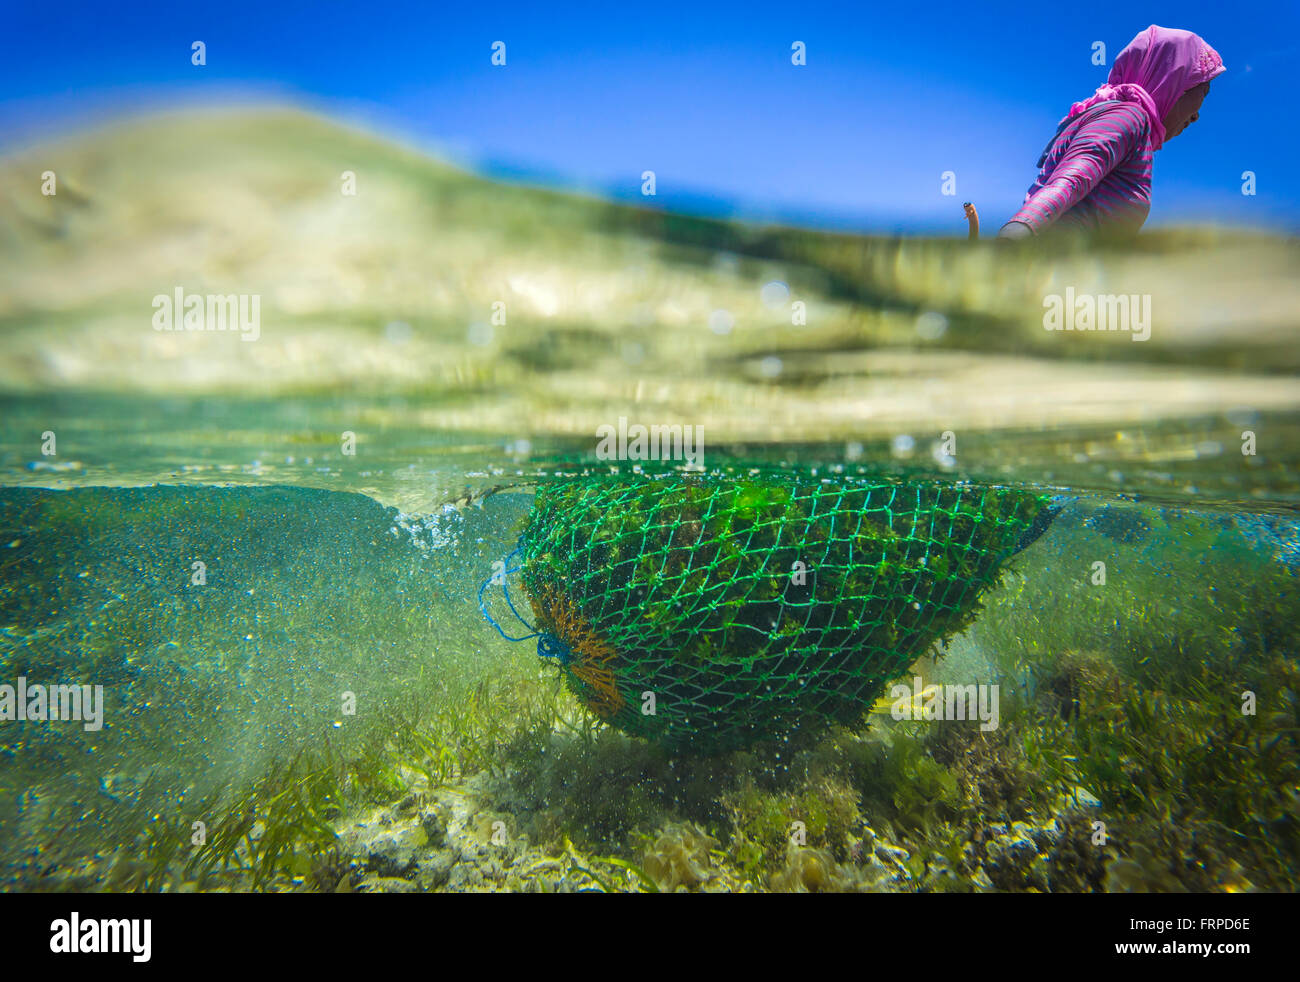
(702, 94)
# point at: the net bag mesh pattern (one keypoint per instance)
(740, 610)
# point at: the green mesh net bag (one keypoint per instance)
(708, 615)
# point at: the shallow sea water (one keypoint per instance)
(220, 695)
(300, 691)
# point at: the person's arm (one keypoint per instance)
(1094, 151)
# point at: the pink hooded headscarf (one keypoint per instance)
(1157, 67)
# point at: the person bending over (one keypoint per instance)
(1095, 173)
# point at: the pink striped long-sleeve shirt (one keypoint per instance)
(1096, 173)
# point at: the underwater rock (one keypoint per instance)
(1015, 843)
(435, 869)
(386, 884)
(889, 855)
(1018, 856)
(1075, 863)
(434, 820)
(680, 858)
(866, 842)
(393, 854)
(387, 848)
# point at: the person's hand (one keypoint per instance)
(1014, 230)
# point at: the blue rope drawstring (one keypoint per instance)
(505, 590)
(548, 645)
